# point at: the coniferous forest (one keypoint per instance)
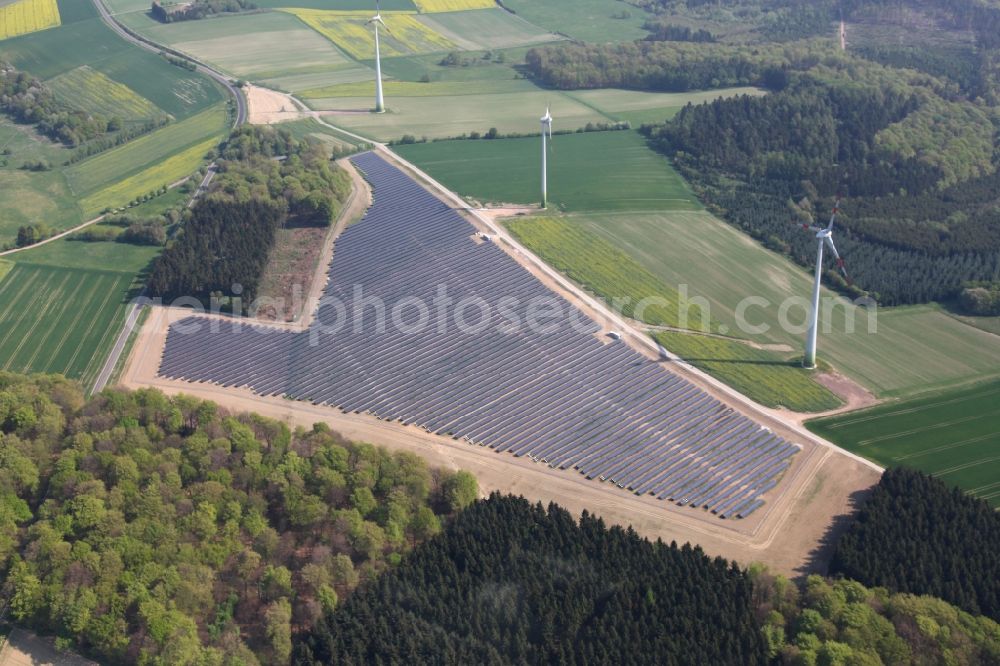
(512, 582)
(917, 534)
(267, 179)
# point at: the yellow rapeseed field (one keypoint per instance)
(24, 16)
(429, 6)
(162, 173)
(347, 29)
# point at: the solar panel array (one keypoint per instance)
(561, 396)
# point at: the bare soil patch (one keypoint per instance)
(266, 106)
(289, 271)
(24, 648)
(295, 275)
(853, 394)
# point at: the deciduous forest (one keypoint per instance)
(144, 529)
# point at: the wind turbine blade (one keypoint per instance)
(833, 215)
(836, 255)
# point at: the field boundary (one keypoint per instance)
(79, 227)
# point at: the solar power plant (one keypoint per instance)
(558, 394)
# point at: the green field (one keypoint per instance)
(91, 68)
(646, 107)
(954, 435)
(423, 116)
(587, 171)
(91, 91)
(991, 324)
(483, 96)
(88, 256)
(89, 42)
(484, 29)
(60, 320)
(27, 196)
(912, 349)
(771, 378)
(147, 151)
(585, 20)
(253, 46)
(161, 174)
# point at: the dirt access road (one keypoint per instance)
(24, 648)
(790, 533)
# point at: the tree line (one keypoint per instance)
(170, 12)
(653, 65)
(139, 528)
(511, 582)
(27, 100)
(267, 179)
(981, 298)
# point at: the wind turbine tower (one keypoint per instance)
(546, 127)
(376, 20)
(824, 237)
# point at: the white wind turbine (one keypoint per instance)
(824, 236)
(376, 20)
(546, 127)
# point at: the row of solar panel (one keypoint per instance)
(553, 392)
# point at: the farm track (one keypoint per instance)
(79, 227)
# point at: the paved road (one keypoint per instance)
(133, 314)
(142, 42)
(241, 117)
